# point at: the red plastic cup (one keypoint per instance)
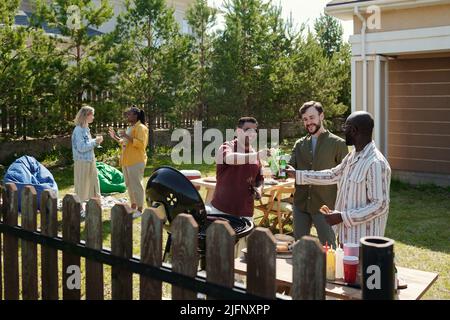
(350, 268)
(192, 175)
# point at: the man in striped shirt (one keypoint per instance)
(363, 180)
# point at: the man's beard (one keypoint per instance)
(317, 128)
(349, 140)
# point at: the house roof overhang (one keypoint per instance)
(344, 9)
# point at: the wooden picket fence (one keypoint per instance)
(22, 241)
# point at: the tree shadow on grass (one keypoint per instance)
(63, 176)
(420, 216)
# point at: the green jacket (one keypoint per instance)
(330, 150)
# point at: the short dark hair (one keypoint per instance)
(244, 120)
(310, 104)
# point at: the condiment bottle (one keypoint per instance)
(339, 263)
(331, 264)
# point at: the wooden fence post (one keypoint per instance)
(121, 246)
(11, 243)
(71, 233)
(309, 270)
(29, 249)
(151, 252)
(185, 255)
(49, 256)
(261, 263)
(94, 239)
(220, 241)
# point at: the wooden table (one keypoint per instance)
(418, 281)
(211, 186)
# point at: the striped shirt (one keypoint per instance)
(363, 180)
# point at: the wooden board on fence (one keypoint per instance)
(121, 246)
(261, 277)
(71, 233)
(11, 244)
(151, 252)
(184, 231)
(49, 256)
(94, 239)
(309, 270)
(220, 254)
(29, 249)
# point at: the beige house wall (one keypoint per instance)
(413, 92)
(413, 18)
(419, 115)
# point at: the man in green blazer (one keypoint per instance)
(318, 150)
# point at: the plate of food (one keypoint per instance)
(284, 250)
(270, 181)
(284, 237)
(284, 244)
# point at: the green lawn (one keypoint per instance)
(419, 222)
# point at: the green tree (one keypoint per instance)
(155, 60)
(250, 59)
(12, 49)
(316, 77)
(39, 100)
(343, 71)
(201, 18)
(329, 32)
(8, 9)
(84, 72)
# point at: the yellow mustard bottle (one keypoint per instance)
(331, 264)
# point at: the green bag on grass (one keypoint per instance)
(111, 179)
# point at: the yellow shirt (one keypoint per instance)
(135, 152)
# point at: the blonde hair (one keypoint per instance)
(81, 117)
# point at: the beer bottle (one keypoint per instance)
(283, 165)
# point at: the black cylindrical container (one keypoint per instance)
(377, 268)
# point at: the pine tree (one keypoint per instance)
(329, 32)
(155, 60)
(202, 19)
(248, 63)
(73, 19)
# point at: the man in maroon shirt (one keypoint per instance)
(238, 172)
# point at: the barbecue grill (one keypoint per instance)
(169, 187)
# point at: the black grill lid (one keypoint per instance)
(178, 195)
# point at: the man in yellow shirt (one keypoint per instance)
(134, 155)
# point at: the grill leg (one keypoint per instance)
(202, 261)
(167, 248)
